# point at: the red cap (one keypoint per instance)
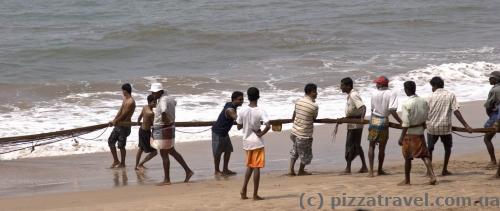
(382, 80)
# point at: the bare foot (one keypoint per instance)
(370, 174)
(303, 173)
(491, 165)
(404, 183)
(445, 173)
(346, 172)
(257, 198)
(433, 182)
(164, 183)
(188, 176)
(243, 196)
(114, 165)
(122, 165)
(218, 173)
(382, 172)
(291, 174)
(363, 170)
(228, 173)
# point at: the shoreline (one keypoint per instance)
(80, 177)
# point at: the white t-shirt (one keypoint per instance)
(383, 101)
(165, 104)
(250, 119)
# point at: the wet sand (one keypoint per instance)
(83, 182)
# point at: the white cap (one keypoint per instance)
(156, 87)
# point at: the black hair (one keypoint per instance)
(127, 87)
(437, 82)
(253, 94)
(151, 98)
(347, 81)
(410, 87)
(310, 87)
(236, 94)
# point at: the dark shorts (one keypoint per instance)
(353, 143)
(221, 144)
(432, 140)
(145, 141)
(119, 135)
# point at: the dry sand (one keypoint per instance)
(82, 182)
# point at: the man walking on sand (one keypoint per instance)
(355, 109)
(412, 140)
(441, 104)
(164, 132)
(491, 106)
(120, 133)
(383, 103)
(304, 115)
(221, 143)
(249, 119)
(147, 117)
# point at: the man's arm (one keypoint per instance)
(394, 113)
(140, 117)
(403, 133)
(230, 112)
(260, 133)
(462, 120)
(123, 113)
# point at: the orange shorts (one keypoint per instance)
(256, 158)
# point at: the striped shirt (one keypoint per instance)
(441, 105)
(306, 111)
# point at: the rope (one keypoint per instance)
(91, 139)
(458, 134)
(188, 132)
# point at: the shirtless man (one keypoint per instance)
(120, 133)
(147, 116)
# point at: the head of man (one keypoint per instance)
(156, 90)
(437, 83)
(151, 101)
(237, 98)
(253, 94)
(311, 90)
(410, 88)
(381, 82)
(494, 77)
(127, 89)
(346, 85)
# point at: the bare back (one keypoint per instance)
(147, 118)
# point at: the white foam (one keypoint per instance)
(469, 81)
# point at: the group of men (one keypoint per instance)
(418, 114)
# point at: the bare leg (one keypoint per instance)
(243, 192)
(428, 174)
(381, 157)
(363, 162)
(491, 149)
(147, 158)
(225, 170)
(180, 159)
(123, 153)
(166, 166)
(138, 158)
(371, 157)
(116, 162)
(217, 163)
(291, 171)
(428, 165)
(407, 173)
(447, 154)
(497, 175)
(302, 172)
(347, 169)
(256, 181)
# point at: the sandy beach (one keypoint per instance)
(82, 182)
